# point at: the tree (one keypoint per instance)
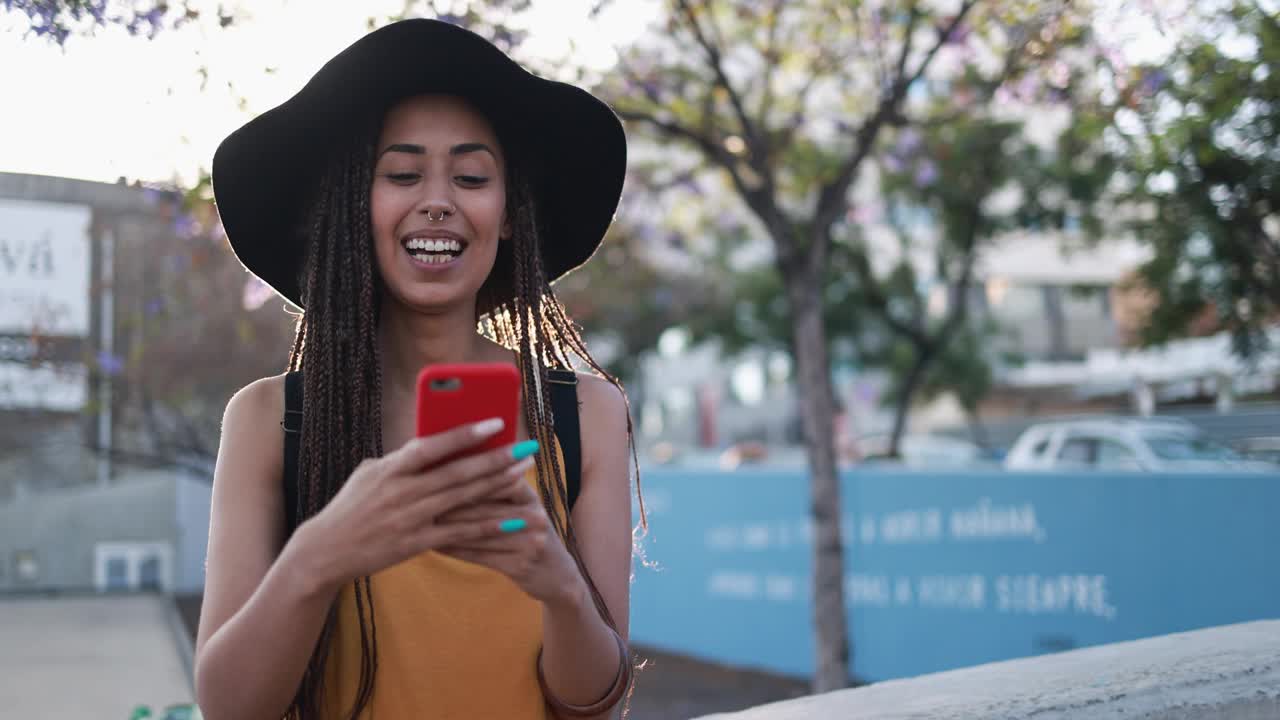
(59, 20)
(628, 300)
(191, 328)
(975, 179)
(787, 101)
(1198, 138)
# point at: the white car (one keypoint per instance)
(1123, 444)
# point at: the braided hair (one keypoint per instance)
(336, 348)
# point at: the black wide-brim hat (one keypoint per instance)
(571, 145)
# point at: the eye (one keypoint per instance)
(471, 180)
(403, 178)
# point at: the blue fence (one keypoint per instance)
(950, 570)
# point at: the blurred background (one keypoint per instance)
(987, 289)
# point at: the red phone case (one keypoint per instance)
(453, 395)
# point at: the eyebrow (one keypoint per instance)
(459, 149)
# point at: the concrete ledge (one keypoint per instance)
(88, 656)
(1224, 673)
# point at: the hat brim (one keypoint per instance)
(574, 143)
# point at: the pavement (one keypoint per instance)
(102, 656)
(90, 656)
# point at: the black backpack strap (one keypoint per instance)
(292, 425)
(564, 408)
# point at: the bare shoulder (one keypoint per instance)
(603, 419)
(246, 521)
(251, 426)
(601, 402)
(264, 395)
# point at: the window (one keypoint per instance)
(1079, 451)
(1170, 446)
(149, 572)
(1116, 455)
(117, 573)
(133, 566)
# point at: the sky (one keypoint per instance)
(112, 106)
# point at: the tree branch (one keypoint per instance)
(873, 297)
(770, 49)
(758, 199)
(717, 68)
(908, 40)
(629, 74)
(1012, 58)
(958, 311)
(877, 44)
(831, 199)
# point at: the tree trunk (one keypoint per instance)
(977, 429)
(910, 384)
(809, 345)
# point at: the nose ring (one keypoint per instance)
(438, 218)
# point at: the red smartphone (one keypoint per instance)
(459, 394)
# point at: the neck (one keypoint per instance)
(412, 340)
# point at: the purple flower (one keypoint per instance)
(893, 164)
(154, 306)
(185, 226)
(926, 174)
(908, 141)
(1154, 80)
(959, 34)
(110, 364)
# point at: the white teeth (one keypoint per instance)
(433, 259)
(434, 245)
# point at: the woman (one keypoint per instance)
(420, 186)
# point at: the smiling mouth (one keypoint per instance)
(434, 250)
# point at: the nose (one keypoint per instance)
(437, 211)
(435, 201)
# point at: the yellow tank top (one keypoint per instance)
(456, 641)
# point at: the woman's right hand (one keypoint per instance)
(386, 511)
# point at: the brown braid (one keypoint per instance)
(336, 347)
(536, 325)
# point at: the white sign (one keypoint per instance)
(48, 387)
(44, 268)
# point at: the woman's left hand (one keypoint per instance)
(523, 545)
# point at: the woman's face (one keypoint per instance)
(438, 202)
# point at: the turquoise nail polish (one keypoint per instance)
(524, 449)
(512, 525)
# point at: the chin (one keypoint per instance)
(430, 298)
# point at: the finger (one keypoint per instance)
(473, 467)
(516, 494)
(420, 452)
(462, 534)
(506, 522)
(438, 502)
(493, 507)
